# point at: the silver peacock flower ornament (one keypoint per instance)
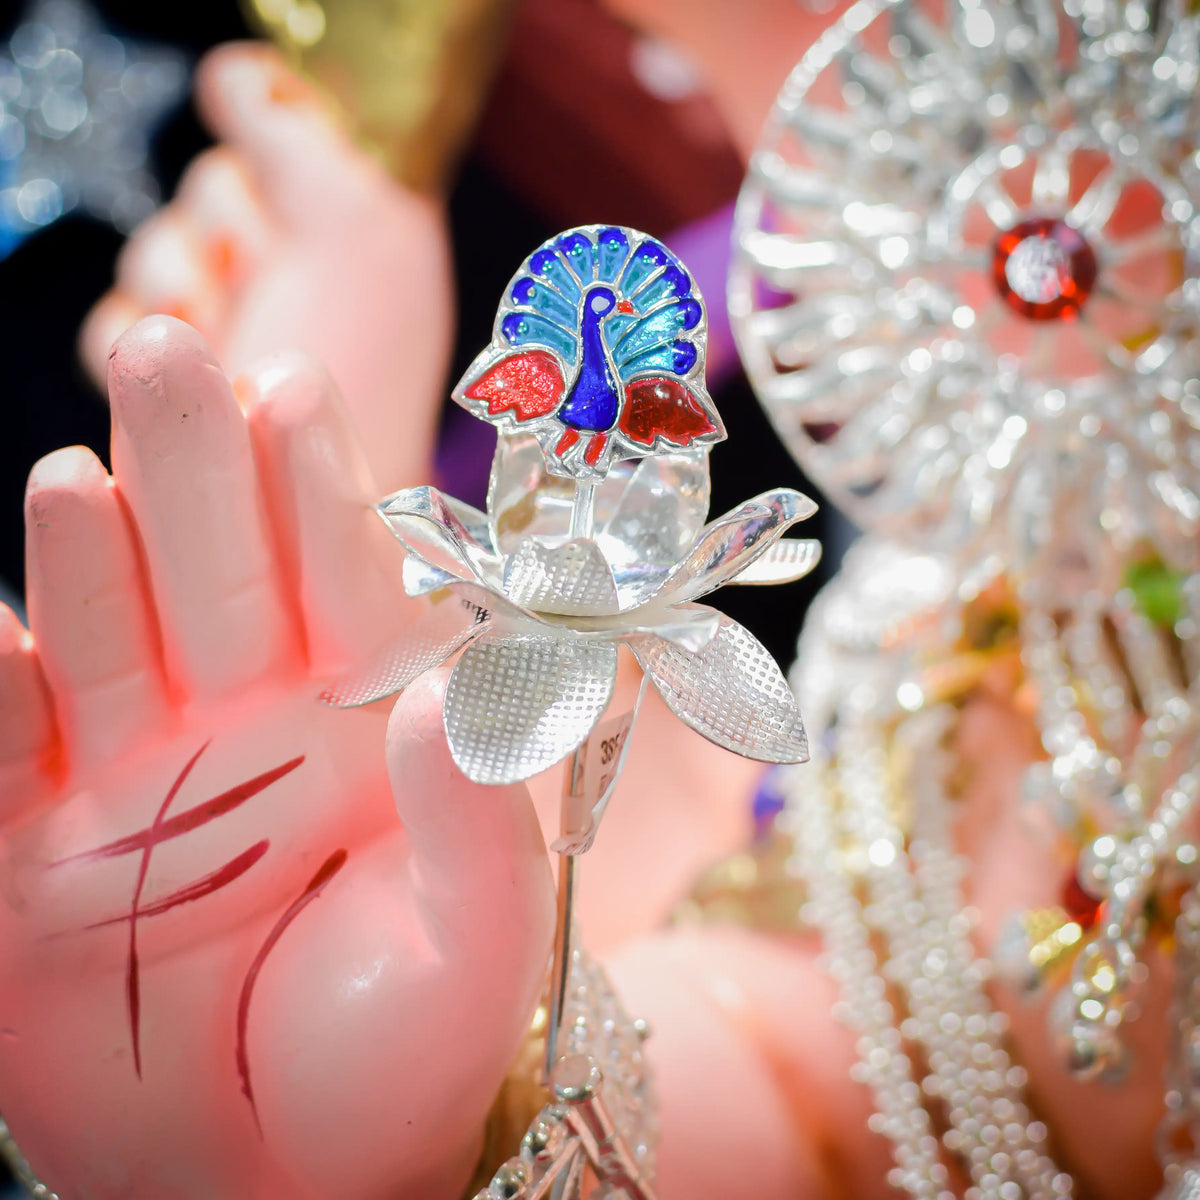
(594, 534)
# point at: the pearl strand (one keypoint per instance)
(975, 1032)
(920, 913)
(882, 1064)
(844, 828)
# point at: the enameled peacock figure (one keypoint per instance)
(597, 350)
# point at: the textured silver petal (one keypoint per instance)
(516, 705)
(784, 561)
(449, 624)
(732, 692)
(429, 524)
(728, 545)
(569, 580)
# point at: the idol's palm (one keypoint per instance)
(227, 967)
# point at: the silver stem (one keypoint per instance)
(583, 510)
(582, 525)
(560, 969)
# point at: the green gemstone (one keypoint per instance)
(1157, 591)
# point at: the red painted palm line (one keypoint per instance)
(190, 819)
(327, 870)
(234, 869)
(133, 980)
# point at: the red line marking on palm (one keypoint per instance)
(327, 870)
(232, 870)
(192, 818)
(133, 984)
(161, 830)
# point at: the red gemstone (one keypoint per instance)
(1081, 906)
(1044, 269)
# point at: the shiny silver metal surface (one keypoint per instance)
(541, 612)
(731, 691)
(516, 705)
(943, 368)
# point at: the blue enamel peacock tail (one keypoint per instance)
(598, 350)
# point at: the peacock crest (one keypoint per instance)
(597, 350)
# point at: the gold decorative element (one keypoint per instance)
(1053, 937)
(755, 887)
(522, 1095)
(411, 74)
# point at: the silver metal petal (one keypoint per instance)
(421, 577)
(424, 579)
(516, 705)
(447, 625)
(727, 546)
(732, 692)
(475, 522)
(785, 561)
(571, 580)
(655, 521)
(689, 626)
(429, 524)
(647, 512)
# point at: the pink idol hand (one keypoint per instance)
(288, 236)
(226, 967)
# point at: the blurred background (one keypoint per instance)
(583, 121)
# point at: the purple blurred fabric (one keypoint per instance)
(704, 247)
(463, 459)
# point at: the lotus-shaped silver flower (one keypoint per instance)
(539, 614)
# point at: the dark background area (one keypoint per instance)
(621, 160)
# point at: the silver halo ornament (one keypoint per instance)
(966, 286)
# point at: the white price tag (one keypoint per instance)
(597, 765)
